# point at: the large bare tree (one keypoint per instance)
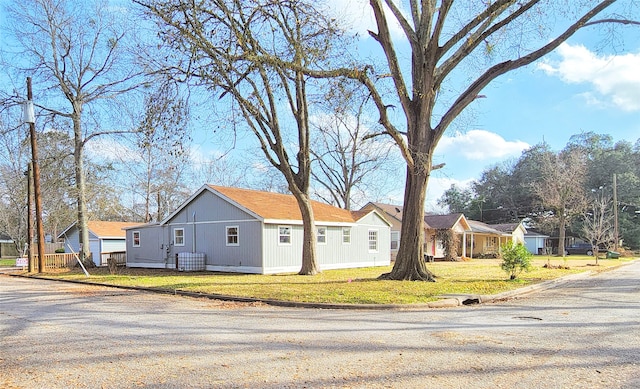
(253, 53)
(440, 79)
(561, 188)
(347, 159)
(77, 52)
(162, 141)
(597, 227)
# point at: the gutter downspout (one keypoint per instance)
(193, 237)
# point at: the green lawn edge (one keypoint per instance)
(346, 286)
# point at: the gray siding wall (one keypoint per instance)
(259, 250)
(212, 217)
(282, 257)
(73, 238)
(151, 252)
(334, 253)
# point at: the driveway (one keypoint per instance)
(580, 334)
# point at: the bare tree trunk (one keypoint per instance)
(309, 257)
(410, 264)
(562, 225)
(83, 229)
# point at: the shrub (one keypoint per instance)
(515, 259)
(60, 251)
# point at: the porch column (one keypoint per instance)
(464, 244)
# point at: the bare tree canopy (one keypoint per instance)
(349, 160)
(253, 53)
(561, 188)
(78, 54)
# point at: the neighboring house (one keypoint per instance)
(453, 223)
(7, 247)
(486, 239)
(393, 214)
(515, 232)
(433, 244)
(104, 238)
(537, 242)
(247, 231)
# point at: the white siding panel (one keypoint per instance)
(280, 255)
(111, 245)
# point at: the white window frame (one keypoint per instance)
(175, 240)
(373, 233)
(236, 235)
(395, 237)
(287, 235)
(323, 235)
(346, 235)
(133, 238)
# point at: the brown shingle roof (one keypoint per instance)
(283, 206)
(505, 227)
(442, 222)
(109, 229)
(431, 221)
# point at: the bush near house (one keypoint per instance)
(515, 259)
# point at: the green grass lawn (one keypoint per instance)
(7, 262)
(357, 286)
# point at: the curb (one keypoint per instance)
(445, 301)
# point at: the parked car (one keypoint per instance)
(579, 248)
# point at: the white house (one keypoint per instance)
(536, 242)
(247, 231)
(104, 238)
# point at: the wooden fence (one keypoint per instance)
(68, 260)
(58, 261)
(119, 256)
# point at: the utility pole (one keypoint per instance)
(30, 118)
(29, 174)
(615, 213)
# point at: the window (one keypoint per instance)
(322, 235)
(136, 238)
(373, 240)
(395, 240)
(178, 237)
(232, 236)
(284, 235)
(346, 235)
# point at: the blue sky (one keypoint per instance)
(572, 90)
(583, 86)
(576, 88)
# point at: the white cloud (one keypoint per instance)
(109, 149)
(480, 145)
(615, 78)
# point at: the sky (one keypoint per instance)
(583, 86)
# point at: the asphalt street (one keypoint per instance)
(582, 333)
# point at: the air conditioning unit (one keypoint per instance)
(190, 261)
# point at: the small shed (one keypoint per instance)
(536, 242)
(105, 237)
(7, 246)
